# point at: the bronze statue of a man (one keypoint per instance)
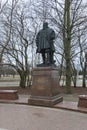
(44, 43)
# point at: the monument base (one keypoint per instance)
(45, 101)
(44, 91)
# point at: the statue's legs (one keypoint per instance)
(50, 59)
(43, 56)
(47, 56)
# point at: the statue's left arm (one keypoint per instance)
(52, 35)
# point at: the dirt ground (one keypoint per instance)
(27, 91)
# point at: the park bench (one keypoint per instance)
(82, 101)
(8, 94)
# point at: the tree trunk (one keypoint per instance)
(29, 81)
(67, 45)
(84, 77)
(68, 76)
(74, 78)
(22, 81)
(74, 75)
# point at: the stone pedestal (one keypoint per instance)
(8, 94)
(82, 101)
(44, 91)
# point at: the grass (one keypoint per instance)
(70, 97)
(10, 78)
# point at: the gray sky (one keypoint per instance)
(3, 1)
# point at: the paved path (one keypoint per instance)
(24, 117)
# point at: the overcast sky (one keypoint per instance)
(3, 1)
(27, 0)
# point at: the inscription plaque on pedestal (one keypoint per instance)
(45, 85)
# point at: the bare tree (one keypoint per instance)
(2, 7)
(67, 16)
(18, 51)
(83, 54)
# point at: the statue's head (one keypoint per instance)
(45, 25)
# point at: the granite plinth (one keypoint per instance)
(82, 101)
(44, 91)
(8, 94)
